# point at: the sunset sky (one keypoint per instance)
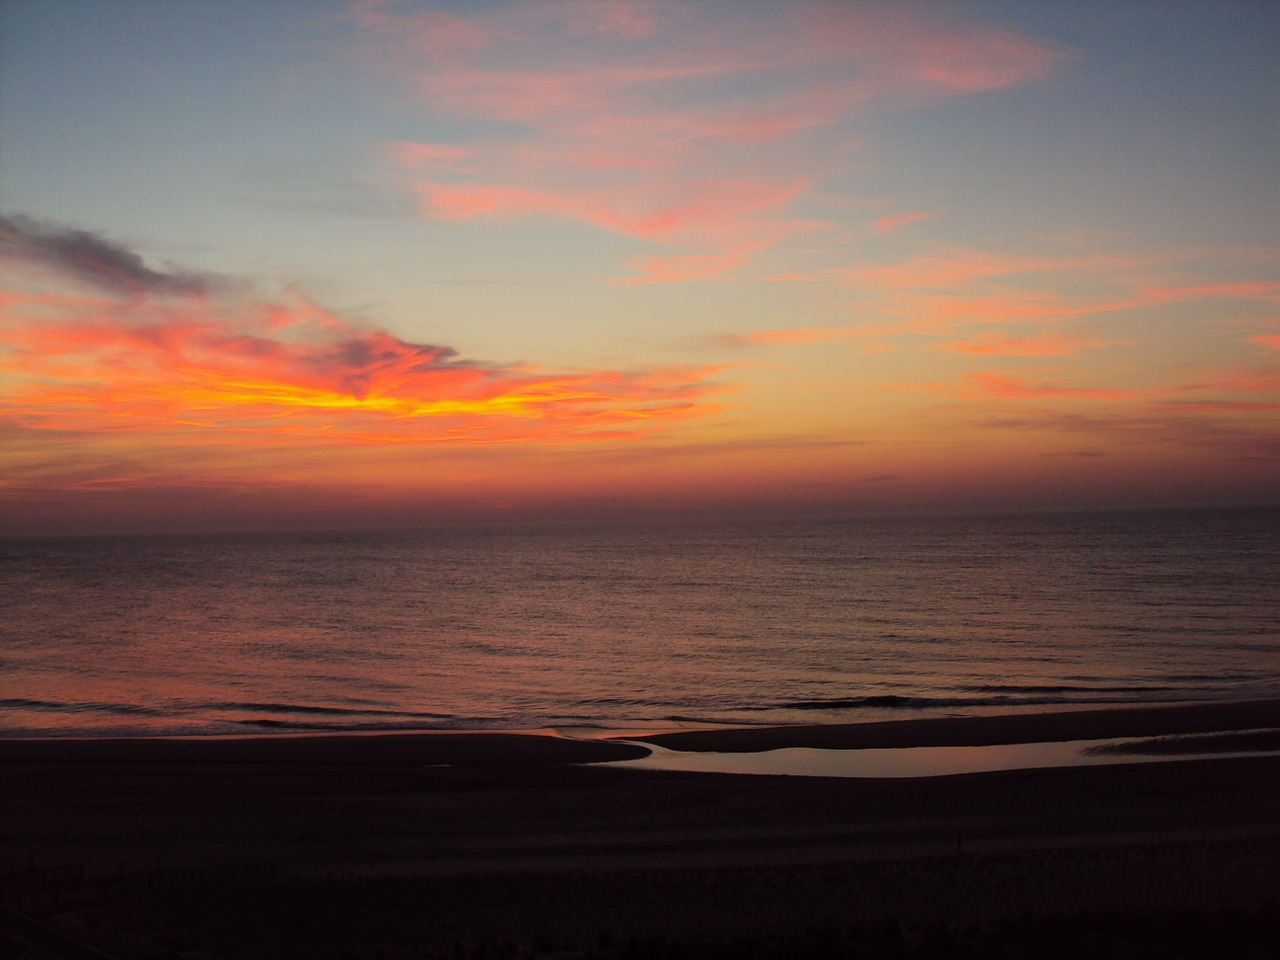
(339, 264)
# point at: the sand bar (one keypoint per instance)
(452, 749)
(1142, 721)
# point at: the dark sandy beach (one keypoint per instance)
(489, 845)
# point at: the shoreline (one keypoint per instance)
(624, 727)
(484, 748)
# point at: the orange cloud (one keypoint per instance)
(632, 117)
(1242, 381)
(288, 369)
(1221, 406)
(944, 312)
(155, 356)
(1004, 387)
(691, 266)
(1246, 290)
(1269, 341)
(1044, 345)
(1164, 407)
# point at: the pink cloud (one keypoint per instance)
(469, 201)
(624, 18)
(436, 156)
(950, 289)
(713, 214)
(891, 222)
(961, 267)
(984, 58)
(436, 33)
(907, 50)
(614, 114)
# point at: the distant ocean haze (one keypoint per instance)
(625, 626)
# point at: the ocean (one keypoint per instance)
(635, 626)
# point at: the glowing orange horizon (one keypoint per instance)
(281, 369)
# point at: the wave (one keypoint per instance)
(1006, 697)
(206, 713)
(1070, 688)
(31, 704)
(889, 701)
(719, 721)
(270, 724)
(311, 709)
(83, 706)
(451, 723)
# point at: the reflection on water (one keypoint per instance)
(635, 625)
(904, 762)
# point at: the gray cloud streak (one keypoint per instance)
(94, 260)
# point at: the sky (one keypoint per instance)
(346, 263)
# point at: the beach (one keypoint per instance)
(402, 845)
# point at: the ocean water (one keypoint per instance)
(635, 626)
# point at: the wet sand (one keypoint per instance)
(1100, 724)
(517, 847)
